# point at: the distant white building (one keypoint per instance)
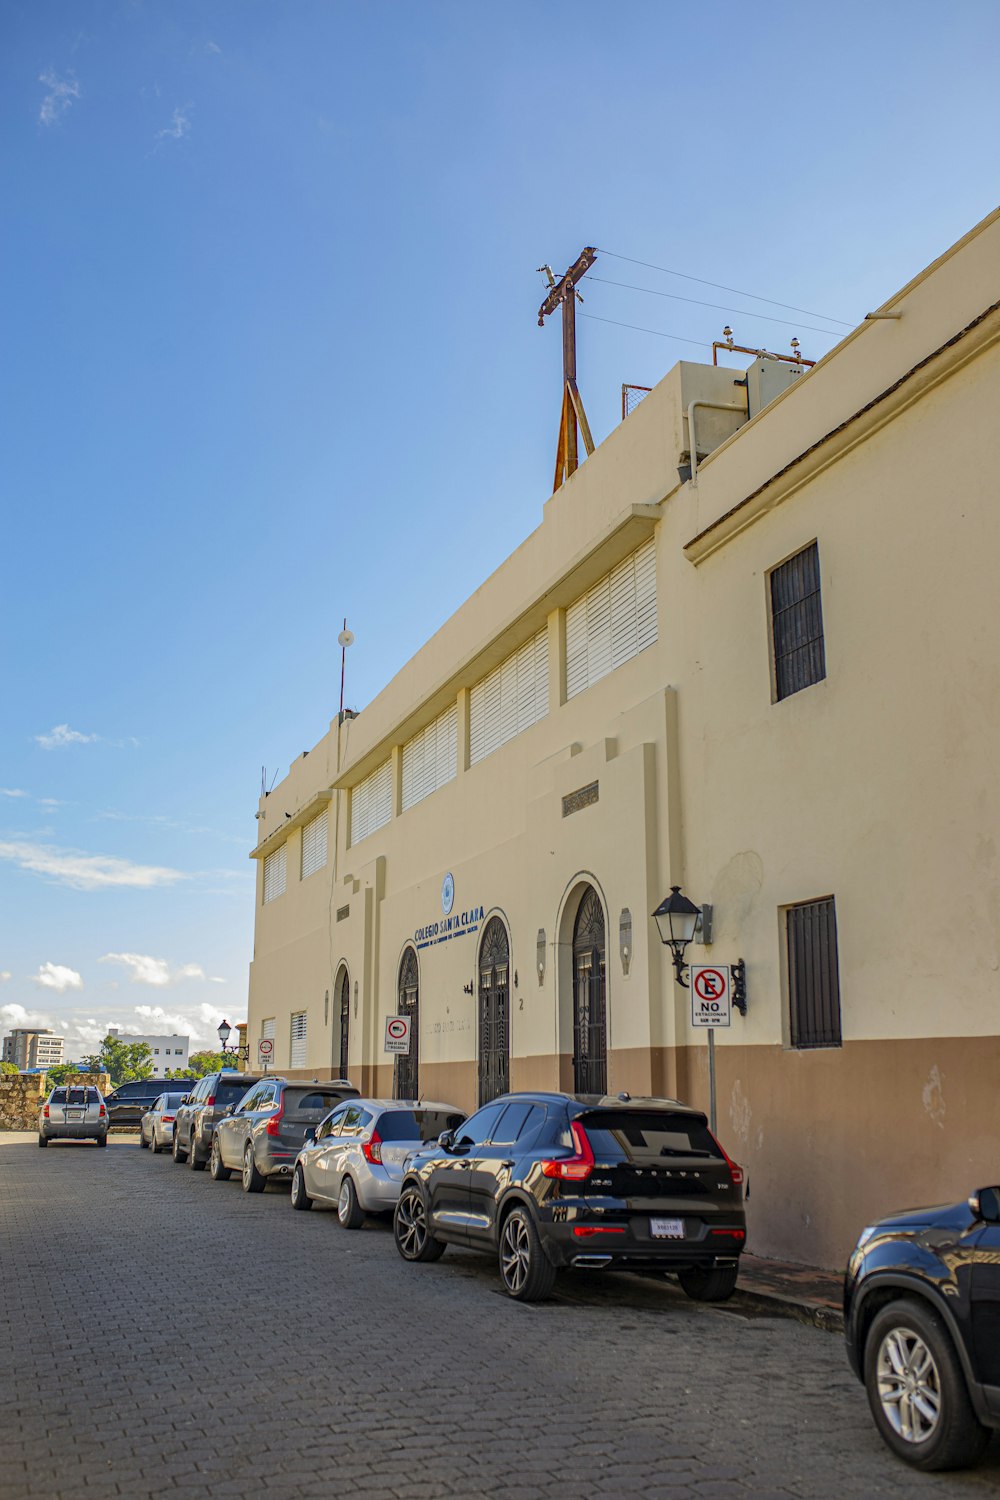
(169, 1052)
(32, 1047)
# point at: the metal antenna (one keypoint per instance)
(564, 293)
(345, 639)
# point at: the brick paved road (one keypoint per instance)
(347, 1372)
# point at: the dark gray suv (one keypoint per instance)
(202, 1110)
(263, 1133)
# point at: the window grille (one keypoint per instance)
(431, 758)
(797, 623)
(813, 974)
(314, 845)
(274, 874)
(514, 696)
(299, 1037)
(613, 621)
(371, 802)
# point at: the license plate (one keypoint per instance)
(74, 1114)
(666, 1229)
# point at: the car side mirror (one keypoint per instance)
(985, 1204)
(310, 1134)
(446, 1140)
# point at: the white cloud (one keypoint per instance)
(58, 977)
(16, 1015)
(213, 47)
(5, 974)
(62, 735)
(179, 126)
(12, 791)
(156, 971)
(86, 872)
(61, 94)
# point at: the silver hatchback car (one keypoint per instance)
(355, 1159)
(76, 1112)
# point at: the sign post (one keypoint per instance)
(265, 1052)
(711, 1007)
(397, 1034)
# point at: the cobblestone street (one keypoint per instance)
(167, 1335)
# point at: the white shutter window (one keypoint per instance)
(274, 873)
(299, 1039)
(514, 696)
(371, 802)
(613, 621)
(430, 758)
(314, 845)
(267, 1030)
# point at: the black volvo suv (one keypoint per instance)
(922, 1324)
(551, 1180)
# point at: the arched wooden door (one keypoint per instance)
(590, 1009)
(407, 1080)
(344, 998)
(494, 1012)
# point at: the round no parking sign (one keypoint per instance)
(397, 1034)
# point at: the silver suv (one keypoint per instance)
(74, 1113)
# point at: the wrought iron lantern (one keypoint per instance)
(676, 919)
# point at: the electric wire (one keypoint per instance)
(743, 312)
(698, 343)
(735, 290)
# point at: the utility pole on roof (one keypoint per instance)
(564, 293)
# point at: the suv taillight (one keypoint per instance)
(45, 1112)
(371, 1149)
(273, 1126)
(101, 1112)
(735, 1172)
(210, 1101)
(575, 1168)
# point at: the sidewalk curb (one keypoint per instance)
(815, 1314)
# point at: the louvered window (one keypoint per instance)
(314, 844)
(513, 697)
(430, 758)
(797, 623)
(274, 873)
(371, 803)
(299, 1039)
(813, 974)
(613, 621)
(267, 1030)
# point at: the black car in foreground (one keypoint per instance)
(551, 1180)
(922, 1324)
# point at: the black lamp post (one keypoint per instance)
(225, 1031)
(677, 918)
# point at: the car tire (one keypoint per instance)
(410, 1230)
(254, 1181)
(177, 1151)
(525, 1270)
(917, 1392)
(154, 1145)
(708, 1283)
(102, 1140)
(195, 1162)
(216, 1170)
(43, 1140)
(143, 1143)
(300, 1198)
(349, 1211)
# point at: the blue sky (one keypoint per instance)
(271, 358)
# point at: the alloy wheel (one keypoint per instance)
(909, 1385)
(515, 1254)
(411, 1224)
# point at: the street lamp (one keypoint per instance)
(677, 918)
(225, 1031)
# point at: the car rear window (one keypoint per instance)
(416, 1124)
(230, 1089)
(648, 1136)
(171, 1101)
(313, 1104)
(79, 1096)
(57, 1096)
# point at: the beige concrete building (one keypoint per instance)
(774, 683)
(31, 1047)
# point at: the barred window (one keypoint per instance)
(813, 974)
(371, 802)
(514, 696)
(274, 874)
(797, 623)
(431, 758)
(314, 845)
(613, 621)
(299, 1039)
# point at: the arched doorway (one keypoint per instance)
(407, 1080)
(590, 1004)
(344, 1013)
(494, 1012)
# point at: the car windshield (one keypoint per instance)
(648, 1136)
(415, 1124)
(312, 1104)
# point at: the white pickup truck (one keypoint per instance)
(75, 1113)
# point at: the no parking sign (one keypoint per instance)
(711, 995)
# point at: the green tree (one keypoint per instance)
(124, 1062)
(200, 1063)
(8, 1067)
(58, 1074)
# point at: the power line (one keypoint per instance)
(720, 288)
(718, 306)
(698, 343)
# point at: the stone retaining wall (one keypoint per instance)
(23, 1094)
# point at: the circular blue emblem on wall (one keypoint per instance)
(447, 894)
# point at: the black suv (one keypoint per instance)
(922, 1324)
(551, 1180)
(129, 1101)
(201, 1111)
